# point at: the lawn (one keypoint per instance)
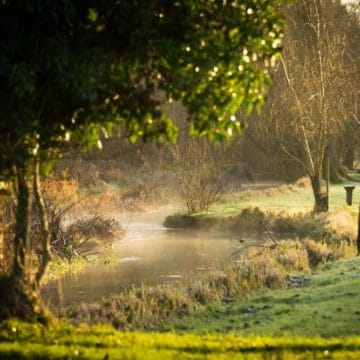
(284, 198)
(283, 210)
(24, 341)
(324, 304)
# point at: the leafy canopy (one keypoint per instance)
(69, 69)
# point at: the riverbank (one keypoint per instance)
(267, 266)
(255, 265)
(322, 304)
(283, 210)
(315, 316)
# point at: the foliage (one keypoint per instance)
(61, 189)
(112, 62)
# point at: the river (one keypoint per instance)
(149, 253)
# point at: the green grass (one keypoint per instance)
(328, 305)
(294, 199)
(26, 341)
(317, 321)
(286, 209)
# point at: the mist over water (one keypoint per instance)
(149, 253)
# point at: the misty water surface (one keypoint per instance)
(150, 254)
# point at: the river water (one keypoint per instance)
(149, 253)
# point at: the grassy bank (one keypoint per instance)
(25, 341)
(282, 210)
(293, 198)
(324, 304)
(266, 267)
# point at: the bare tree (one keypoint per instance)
(197, 163)
(310, 106)
(200, 167)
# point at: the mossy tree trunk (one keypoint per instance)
(20, 289)
(358, 235)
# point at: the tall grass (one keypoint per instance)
(145, 307)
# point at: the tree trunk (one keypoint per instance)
(358, 235)
(321, 197)
(349, 157)
(45, 231)
(21, 267)
(20, 290)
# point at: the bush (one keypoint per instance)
(81, 237)
(198, 165)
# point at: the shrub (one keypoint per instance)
(197, 164)
(80, 237)
(83, 237)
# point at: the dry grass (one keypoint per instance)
(318, 252)
(296, 187)
(293, 255)
(145, 307)
(332, 227)
(60, 189)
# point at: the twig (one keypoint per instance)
(245, 247)
(245, 211)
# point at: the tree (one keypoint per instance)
(310, 105)
(71, 70)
